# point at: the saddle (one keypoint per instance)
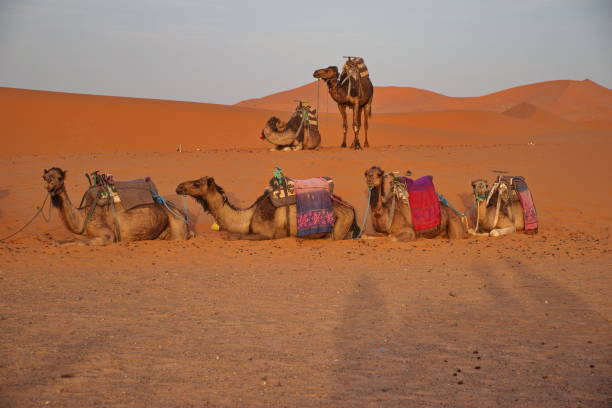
(130, 194)
(353, 70)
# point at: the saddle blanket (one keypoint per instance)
(314, 206)
(529, 211)
(424, 203)
(137, 192)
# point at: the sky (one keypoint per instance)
(224, 51)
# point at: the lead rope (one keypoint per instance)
(31, 219)
(365, 216)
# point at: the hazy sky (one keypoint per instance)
(224, 51)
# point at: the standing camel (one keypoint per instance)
(96, 221)
(355, 92)
(262, 220)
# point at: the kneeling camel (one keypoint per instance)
(392, 215)
(261, 220)
(96, 221)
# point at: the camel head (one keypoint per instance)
(326, 74)
(374, 176)
(481, 189)
(197, 188)
(202, 189)
(54, 177)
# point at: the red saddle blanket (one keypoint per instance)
(424, 203)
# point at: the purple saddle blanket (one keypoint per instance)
(314, 207)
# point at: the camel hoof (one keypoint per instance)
(494, 233)
(357, 147)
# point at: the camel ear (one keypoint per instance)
(210, 182)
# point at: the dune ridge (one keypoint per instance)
(574, 100)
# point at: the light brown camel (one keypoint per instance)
(359, 99)
(95, 220)
(392, 215)
(261, 220)
(296, 134)
(491, 221)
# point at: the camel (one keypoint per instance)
(392, 215)
(97, 223)
(299, 133)
(358, 98)
(493, 222)
(261, 220)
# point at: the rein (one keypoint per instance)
(39, 211)
(365, 216)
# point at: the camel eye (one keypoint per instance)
(196, 184)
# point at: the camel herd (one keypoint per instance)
(100, 222)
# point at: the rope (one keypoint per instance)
(31, 219)
(365, 216)
(444, 201)
(167, 204)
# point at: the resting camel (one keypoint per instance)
(295, 134)
(392, 215)
(261, 220)
(96, 222)
(490, 221)
(359, 100)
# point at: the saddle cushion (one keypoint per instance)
(424, 203)
(137, 192)
(281, 198)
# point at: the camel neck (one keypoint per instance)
(71, 217)
(228, 217)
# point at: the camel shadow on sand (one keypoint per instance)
(524, 341)
(3, 194)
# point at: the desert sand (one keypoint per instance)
(514, 321)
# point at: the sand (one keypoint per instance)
(514, 321)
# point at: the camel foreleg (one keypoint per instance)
(246, 237)
(356, 125)
(502, 231)
(342, 109)
(367, 111)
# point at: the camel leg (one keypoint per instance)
(247, 237)
(404, 236)
(502, 231)
(454, 225)
(342, 109)
(104, 239)
(367, 111)
(178, 229)
(356, 125)
(344, 221)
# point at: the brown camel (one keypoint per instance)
(261, 220)
(358, 98)
(392, 215)
(296, 134)
(95, 220)
(491, 221)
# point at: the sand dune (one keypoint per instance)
(574, 100)
(39, 122)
